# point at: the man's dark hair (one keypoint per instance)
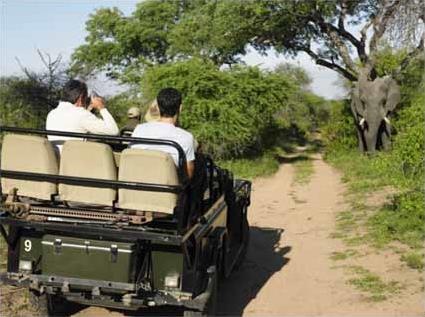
(73, 89)
(169, 101)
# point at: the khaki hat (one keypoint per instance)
(152, 114)
(133, 112)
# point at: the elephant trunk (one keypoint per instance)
(372, 130)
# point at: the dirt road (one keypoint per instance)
(288, 270)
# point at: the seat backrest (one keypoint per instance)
(27, 153)
(88, 160)
(147, 166)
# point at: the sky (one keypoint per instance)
(58, 27)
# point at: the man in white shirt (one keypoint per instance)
(169, 104)
(71, 114)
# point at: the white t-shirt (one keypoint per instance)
(69, 118)
(165, 131)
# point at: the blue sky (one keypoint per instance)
(58, 27)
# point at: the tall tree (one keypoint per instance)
(121, 45)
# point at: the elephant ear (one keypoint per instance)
(393, 95)
(356, 104)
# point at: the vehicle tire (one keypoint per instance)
(48, 305)
(245, 244)
(211, 306)
(38, 304)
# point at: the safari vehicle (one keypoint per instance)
(106, 225)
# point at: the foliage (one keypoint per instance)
(230, 112)
(414, 260)
(304, 170)
(118, 106)
(23, 102)
(122, 45)
(402, 168)
(249, 168)
(372, 285)
(338, 131)
(26, 100)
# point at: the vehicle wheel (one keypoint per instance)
(211, 306)
(245, 244)
(38, 304)
(48, 305)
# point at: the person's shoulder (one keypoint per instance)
(140, 127)
(184, 132)
(185, 136)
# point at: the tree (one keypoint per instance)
(26, 100)
(319, 29)
(122, 46)
(296, 73)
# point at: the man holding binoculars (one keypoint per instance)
(73, 114)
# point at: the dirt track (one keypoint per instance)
(288, 270)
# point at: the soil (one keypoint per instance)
(288, 269)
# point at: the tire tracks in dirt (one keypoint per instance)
(288, 270)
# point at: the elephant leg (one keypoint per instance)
(386, 137)
(361, 140)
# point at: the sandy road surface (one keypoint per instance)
(288, 270)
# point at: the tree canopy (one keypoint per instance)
(221, 31)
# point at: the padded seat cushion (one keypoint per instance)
(147, 166)
(88, 160)
(27, 153)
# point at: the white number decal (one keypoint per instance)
(28, 245)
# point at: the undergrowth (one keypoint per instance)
(303, 170)
(371, 285)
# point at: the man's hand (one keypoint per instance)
(97, 103)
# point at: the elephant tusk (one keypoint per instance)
(387, 120)
(362, 121)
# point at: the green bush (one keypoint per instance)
(231, 112)
(118, 106)
(339, 132)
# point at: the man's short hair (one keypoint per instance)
(169, 101)
(73, 89)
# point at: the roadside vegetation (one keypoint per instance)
(385, 192)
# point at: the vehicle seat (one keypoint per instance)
(88, 160)
(147, 166)
(27, 153)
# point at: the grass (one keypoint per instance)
(338, 256)
(303, 170)
(249, 168)
(414, 260)
(371, 285)
(399, 218)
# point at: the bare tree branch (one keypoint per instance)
(380, 22)
(330, 64)
(342, 48)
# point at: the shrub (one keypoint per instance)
(230, 111)
(339, 132)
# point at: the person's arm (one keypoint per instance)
(93, 124)
(190, 169)
(190, 158)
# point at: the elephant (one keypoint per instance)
(372, 103)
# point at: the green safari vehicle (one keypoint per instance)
(102, 224)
